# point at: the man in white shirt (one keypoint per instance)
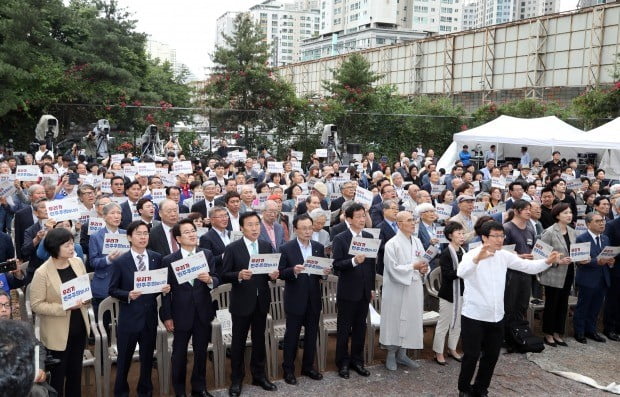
(483, 270)
(43, 151)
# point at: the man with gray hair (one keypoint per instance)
(410, 199)
(25, 217)
(161, 239)
(388, 228)
(397, 182)
(270, 230)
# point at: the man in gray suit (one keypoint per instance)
(270, 230)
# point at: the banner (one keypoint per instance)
(63, 209)
(115, 241)
(609, 252)
(146, 169)
(364, 246)
(182, 167)
(187, 269)
(150, 281)
(298, 155)
(580, 252)
(275, 167)
(541, 250)
(498, 182)
(158, 195)
(94, 225)
(444, 211)
(440, 236)
(317, 265)
(437, 189)
(74, 290)
(321, 153)
(264, 263)
(363, 196)
(27, 173)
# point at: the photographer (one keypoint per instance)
(13, 278)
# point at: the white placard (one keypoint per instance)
(63, 209)
(376, 232)
(476, 185)
(321, 153)
(317, 265)
(201, 231)
(182, 167)
(437, 189)
(94, 225)
(498, 209)
(27, 173)
(298, 155)
(609, 252)
(106, 186)
(444, 211)
(114, 242)
(440, 235)
(74, 290)
(129, 171)
(302, 198)
(581, 209)
(580, 226)
(169, 179)
(479, 209)
(264, 263)
(158, 195)
(7, 189)
(430, 253)
(93, 180)
(146, 169)
(275, 167)
(580, 252)
(363, 196)
(150, 281)
(187, 269)
(364, 246)
(541, 250)
(498, 182)
(573, 184)
(116, 158)
(259, 202)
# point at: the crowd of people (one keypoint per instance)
(478, 228)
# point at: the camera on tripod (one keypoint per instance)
(47, 130)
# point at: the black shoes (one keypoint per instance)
(440, 362)
(360, 369)
(265, 384)
(235, 390)
(596, 337)
(552, 344)
(312, 374)
(290, 379)
(581, 339)
(612, 336)
(343, 372)
(560, 342)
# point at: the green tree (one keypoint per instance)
(523, 108)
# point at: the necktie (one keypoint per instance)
(254, 248)
(598, 241)
(395, 227)
(141, 264)
(210, 204)
(191, 282)
(173, 242)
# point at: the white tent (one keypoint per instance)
(608, 134)
(540, 135)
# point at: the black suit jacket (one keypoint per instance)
(305, 289)
(385, 235)
(126, 215)
(372, 167)
(212, 241)
(139, 313)
(29, 251)
(612, 230)
(243, 296)
(158, 241)
(201, 207)
(336, 230)
(337, 203)
(354, 283)
(184, 299)
(23, 220)
(302, 209)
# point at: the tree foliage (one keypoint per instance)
(85, 54)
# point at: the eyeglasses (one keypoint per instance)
(189, 232)
(497, 236)
(140, 234)
(5, 305)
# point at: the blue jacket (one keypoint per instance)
(592, 275)
(98, 261)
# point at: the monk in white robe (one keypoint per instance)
(402, 299)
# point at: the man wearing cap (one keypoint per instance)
(319, 190)
(524, 174)
(465, 218)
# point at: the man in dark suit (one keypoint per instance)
(302, 299)
(133, 190)
(24, 218)
(612, 300)
(137, 320)
(161, 240)
(356, 281)
(32, 238)
(249, 303)
(373, 165)
(376, 211)
(218, 237)
(187, 311)
(205, 206)
(388, 229)
(318, 190)
(270, 230)
(348, 193)
(592, 278)
(174, 193)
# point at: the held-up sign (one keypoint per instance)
(298, 155)
(581, 209)
(573, 184)
(321, 153)
(114, 242)
(437, 189)
(498, 182)
(444, 211)
(580, 252)
(187, 269)
(275, 167)
(146, 169)
(158, 195)
(430, 253)
(580, 226)
(264, 263)
(74, 290)
(317, 265)
(150, 281)
(182, 167)
(479, 209)
(117, 158)
(541, 250)
(374, 231)
(106, 186)
(63, 210)
(363, 196)
(364, 246)
(476, 185)
(440, 236)
(609, 252)
(498, 209)
(27, 173)
(94, 225)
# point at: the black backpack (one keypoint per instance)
(522, 339)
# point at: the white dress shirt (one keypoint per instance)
(167, 230)
(483, 297)
(234, 221)
(145, 259)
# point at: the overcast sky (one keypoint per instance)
(189, 25)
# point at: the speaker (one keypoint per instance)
(353, 148)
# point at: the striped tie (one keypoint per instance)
(141, 264)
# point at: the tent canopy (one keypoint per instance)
(540, 135)
(609, 134)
